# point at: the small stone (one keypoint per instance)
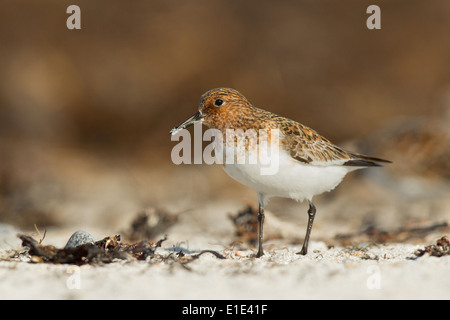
(78, 238)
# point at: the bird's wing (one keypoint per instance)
(307, 146)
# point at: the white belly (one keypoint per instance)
(293, 179)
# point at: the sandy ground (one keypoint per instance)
(107, 198)
(362, 271)
(387, 272)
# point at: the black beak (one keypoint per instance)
(187, 123)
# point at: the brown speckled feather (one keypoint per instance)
(306, 145)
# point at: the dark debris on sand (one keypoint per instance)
(150, 223)
(246, 224)
(107, 250)
(440, 249)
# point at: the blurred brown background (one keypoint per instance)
(85, 114)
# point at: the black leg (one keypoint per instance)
(311, 214)
(260, 230)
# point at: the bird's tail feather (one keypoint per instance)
(360, 160)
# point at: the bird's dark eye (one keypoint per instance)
(218, 102)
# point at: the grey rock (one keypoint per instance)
(78, 238)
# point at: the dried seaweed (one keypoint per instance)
(440, 249)
(106, 250)
(150, 223)
(246, 224)
(215, 253)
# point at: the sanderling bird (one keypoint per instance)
(308, 164)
